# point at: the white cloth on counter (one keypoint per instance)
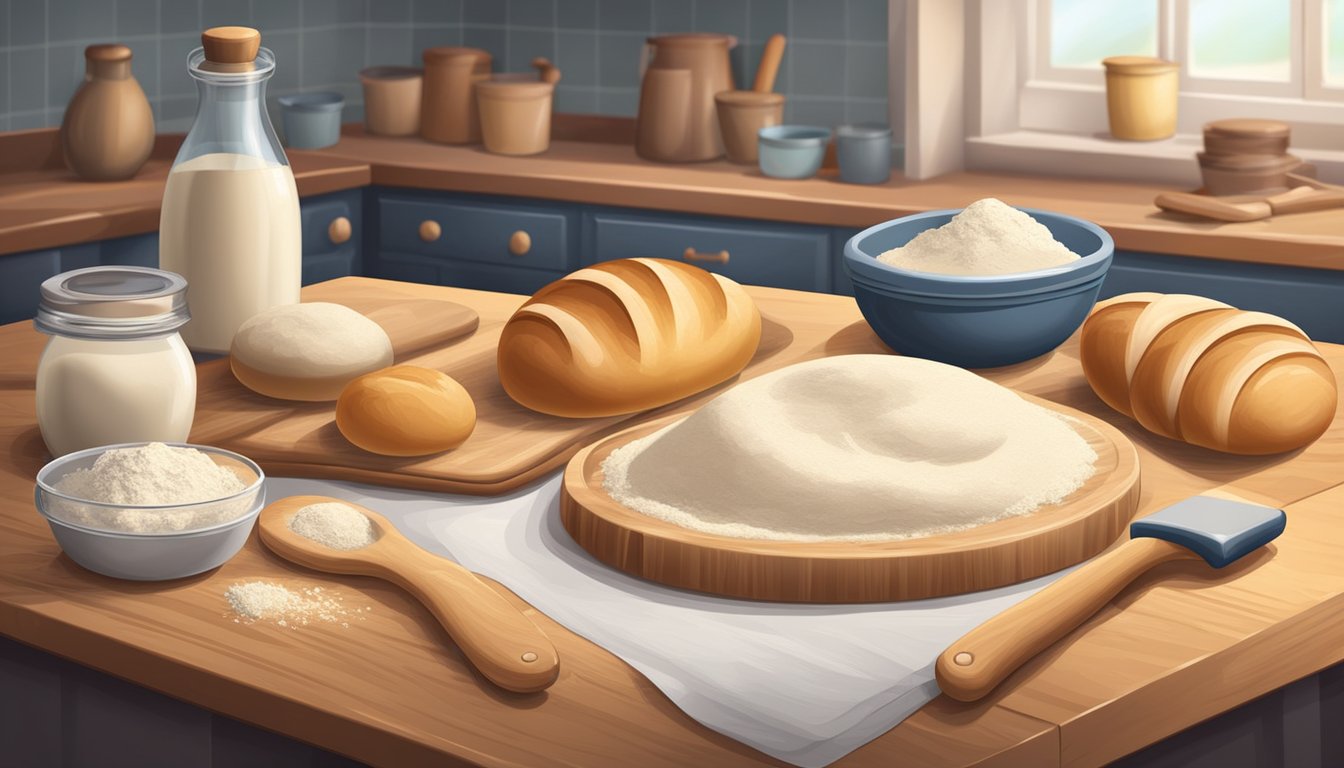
(804, 683)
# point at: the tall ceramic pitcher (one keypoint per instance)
(230, 221)
(677, 120)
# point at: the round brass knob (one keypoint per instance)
(430, 230)
(339, 230)
(520, 243)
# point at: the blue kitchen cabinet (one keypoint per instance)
(471, 241)
(750, 252)
(463, 240)
(21, 274)
(1311, 298)
(323, 257)
(840, 282)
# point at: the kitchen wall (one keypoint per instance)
(834, 71)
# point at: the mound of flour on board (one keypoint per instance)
(987, 238)
(857, 447)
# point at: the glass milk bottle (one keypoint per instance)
(230, 221)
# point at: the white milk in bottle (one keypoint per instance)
(230, 220)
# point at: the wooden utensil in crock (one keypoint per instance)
(743, 113)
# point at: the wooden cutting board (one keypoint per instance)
(993, 555)
(510, 447)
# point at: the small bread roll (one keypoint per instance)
(405, 410)
(307, 351)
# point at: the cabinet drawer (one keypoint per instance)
(460, 274)
(479, 232)
(1309, 298)
(781, 256)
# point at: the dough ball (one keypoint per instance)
(405, 410)
(307, 351)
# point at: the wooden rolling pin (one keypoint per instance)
(1308, 195)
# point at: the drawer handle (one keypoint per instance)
(430, 230)
(339, 230)
(520, 243)
(690, 254)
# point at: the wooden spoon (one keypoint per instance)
(505, 645)
(770, 58)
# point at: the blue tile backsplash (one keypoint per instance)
(834, 71)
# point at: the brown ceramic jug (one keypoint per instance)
(448, 112)
(108, 129)
(677, 121)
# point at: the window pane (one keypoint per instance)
(1334, 42)
(1083, 32)
(1240, 39)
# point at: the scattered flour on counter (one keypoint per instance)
(151, 475)
(853, 448)
(987, 238)
(266, 601)
(334, 525)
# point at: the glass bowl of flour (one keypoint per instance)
(150, 511)
(978, 287)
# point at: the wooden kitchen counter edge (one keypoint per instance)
(610, 174)
(415, 702)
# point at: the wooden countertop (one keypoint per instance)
(1183, 644)
(45, 207)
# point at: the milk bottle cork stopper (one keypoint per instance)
(231, 45)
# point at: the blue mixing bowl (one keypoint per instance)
(974, 321)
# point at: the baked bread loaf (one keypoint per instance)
(405, 410)
(1198, 370)
(307, 351)
(624, 336)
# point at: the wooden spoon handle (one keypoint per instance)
(546, 71)
(1312, 200)
(979, 661)
(1211, 207)
(503, 643)
(769, 69)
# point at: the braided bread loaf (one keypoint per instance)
(625, 336)
(1198, 370)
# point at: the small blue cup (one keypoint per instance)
(311, 120)
(792, 151)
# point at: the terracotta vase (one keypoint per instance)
(108, 130)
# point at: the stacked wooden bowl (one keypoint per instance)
(1245, 155)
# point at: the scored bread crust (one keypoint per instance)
(1201, 371)
(625, 336)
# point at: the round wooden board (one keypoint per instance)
(993, 555)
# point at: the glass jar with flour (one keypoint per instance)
(115, 369)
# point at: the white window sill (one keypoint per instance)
(1169, 161)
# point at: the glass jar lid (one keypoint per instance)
(112, 302)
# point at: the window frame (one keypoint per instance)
(1314, 56)
(1017, 122)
